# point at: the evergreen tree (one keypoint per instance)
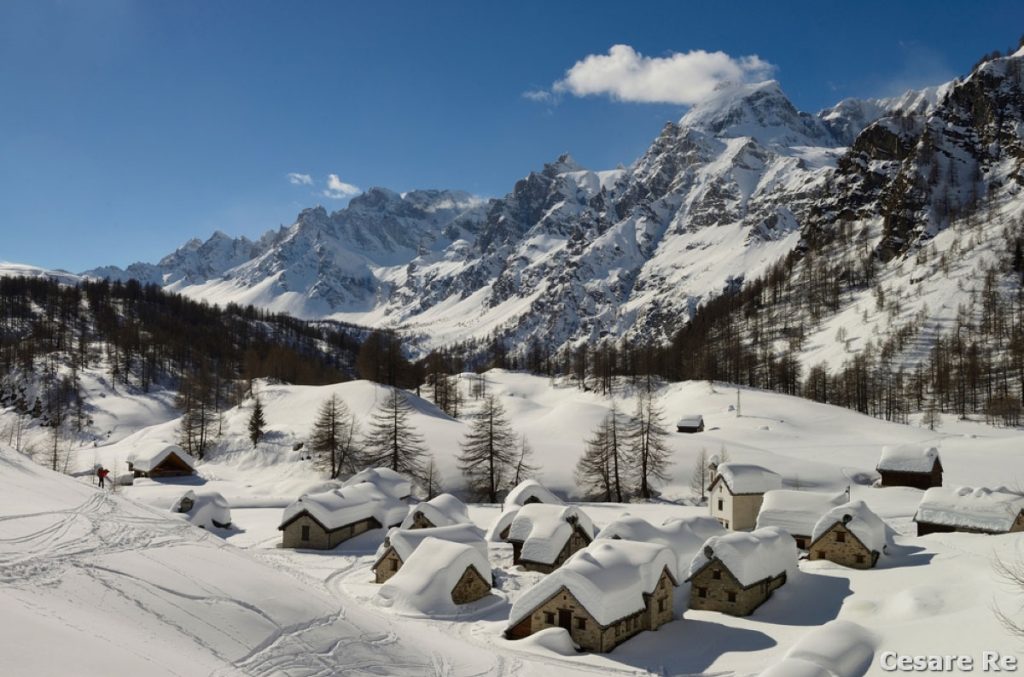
(593, 470)
(488, 451)
(524, 469)
(333, 438)
(256, 423)
(391, 440)
(648, 451)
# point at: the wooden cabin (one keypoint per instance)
(322, 521)
(910, 465)
(796, 511)
(737, 491)
(544, 536)
(968, 510)
(401, 543)
(164, 460)
(690, 424)
(605, 594)
(851, 535)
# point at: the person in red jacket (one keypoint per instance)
(102, 473)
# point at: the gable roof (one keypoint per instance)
(502, 522)
(545, 529)
(387, 480)
(796, 511)
(207, 507)
(529, 489)
(442, 510)
(746, 478)
(406, 541)
(983, 509)
(908, 458)
(345, 505)
(750, 556)
(427, 577)
(147, 457)
(608, 577)
(683, 536)
(690, 421)
(860, 521)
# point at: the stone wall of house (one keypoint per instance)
(419, 521)
(387, 566)
(319, 539)
(663, 594)
(709, 593)
(470, 587)
(839, 545)
(589, 637)
(1018, 524)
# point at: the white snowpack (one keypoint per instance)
(840, 648)
(207, 507)
(544, 529)
(149, 456)
(335, 509)
(981, 508)
(498, 525)
(690, 421)
(442, 510)
(751, 556)
(425, 581)
(746, 478)
(530, 489)
(387, 480)
(861, 521)
(796, 511)
(609, 578)
(796, 667)
(908, 458)
(684, 536)
(406, 541)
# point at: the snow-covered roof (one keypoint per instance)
(503, 521)
(442, 510)
(544, 529)
(387, 480)
(207, 507)
(684, 536)
(746, 478)
(405, 541)
(147, 457)
(750, 556)
(427, 577)
(796, 511)
(608, 577)
(860, 520)
(690, 421)
(964, 507)
(337, 508)
(908, 458)
(527, 490)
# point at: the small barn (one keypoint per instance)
(974, 511)
(910, 465)
(684, 536)
(161, 460)
(738, 572)
(851, 535)
(441, 511)
(604, 595)
(524, 493)
(324, 520)
(690, 424)
(544, 536)
(388, 481)
(797, 511)
(204, 509)
(439, 576)
(399, 544)
(737, 491)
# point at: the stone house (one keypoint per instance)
(162, 460)
(737, 491)
(524, 493)
(386, 480)
(441, 511)
(851, 535)
(605, 594)
(738, 572)
(544, 536)
(975, 511)
(910, 465)
(322, 521)
(690, 424)
(440, 573)
(684, 536)
(400, 544)
(205, 509)
(796, 511)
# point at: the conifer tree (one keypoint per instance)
(334, 436)
(391, 440)
(648, 452)
(488, 450)
(524, 469)
(593, 470)
(256, 423)
(699, 478)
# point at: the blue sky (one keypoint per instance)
(128, 127)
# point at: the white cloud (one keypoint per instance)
(300, 179)
(338, 189)
(539, 95)
(681, 78)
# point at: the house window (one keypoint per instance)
(581, 623)
(840, 537)
(702, 592)
(730, 595)
(661, 605)
(721, 504)
(394, 565)
(549, 617)
(860, 559)
(305, 532)
(716, 574)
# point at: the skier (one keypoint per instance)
(102, 473)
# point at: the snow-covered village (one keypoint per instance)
(707, 358)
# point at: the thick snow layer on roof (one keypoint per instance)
(208, 509)
(335, 509)
(683, 536)
(544, 529)
(860, 520)
(796, 667)
(147, 457)
(745, 478)
(527, 490)
(750, 556)
(908, 458)
(841, 648)
(405, 541)
(690, 421)
(426, 579)
(442, 510)
(608, 577)
(502, 522)
(385, 479)
(964, 507)
(796, 511)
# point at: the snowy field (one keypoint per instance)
(112, 584)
